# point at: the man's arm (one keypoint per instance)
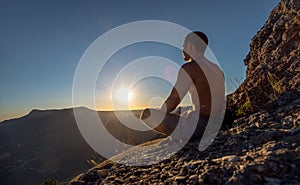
(179, 90)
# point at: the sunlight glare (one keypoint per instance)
(124, 95)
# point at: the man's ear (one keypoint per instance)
(192, 47)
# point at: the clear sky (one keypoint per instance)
(41, 42)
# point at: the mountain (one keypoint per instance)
(263, 145)
(48, 144)
(42, 144)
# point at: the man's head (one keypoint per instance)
(195, 44)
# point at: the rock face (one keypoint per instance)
(273, 65)
(262, 147)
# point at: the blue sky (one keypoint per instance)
(42, 41)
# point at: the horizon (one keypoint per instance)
(40, 50)
(80, 107)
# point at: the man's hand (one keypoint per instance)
(145, 114)
(153, 118)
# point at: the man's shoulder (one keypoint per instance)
(188, 65)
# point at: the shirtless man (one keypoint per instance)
(193, 80)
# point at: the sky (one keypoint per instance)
(42, 42)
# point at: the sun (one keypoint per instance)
(124, 95)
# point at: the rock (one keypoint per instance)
(111, 178)
(272, 181)
(118, 181)
(231, 158)
(193, 179)
(265, 137)
(272, 63)
(195, 164)
(211, 179)
(155, 171)
(132, 179)
(256, 179)
(139, 172)
(102, 173)
(295, 131)
(180, 179)
(89, 176)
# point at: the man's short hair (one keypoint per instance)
(193, 38)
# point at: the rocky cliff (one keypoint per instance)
(262, 147)
(273, 61)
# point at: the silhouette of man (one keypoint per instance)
(192, 79)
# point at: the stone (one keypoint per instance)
(272, 181)
(132, 179)
(231, 158)
(193, 178)
(118, 181)
(295, 131)
(180, 179)
(195, 164)
(138, 172)
(102, 173)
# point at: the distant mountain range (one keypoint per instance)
(48, 144)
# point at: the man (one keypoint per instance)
(195, 77)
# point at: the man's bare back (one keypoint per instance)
(196, 83)
(197, 77)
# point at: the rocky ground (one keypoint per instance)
(263, 148)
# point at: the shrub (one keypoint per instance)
(245, 109)
(277, 85)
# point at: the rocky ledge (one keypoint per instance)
(263, 148)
